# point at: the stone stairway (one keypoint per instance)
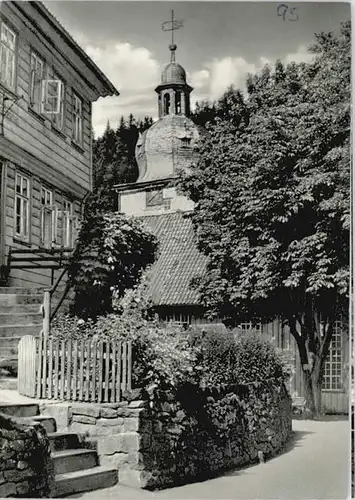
(76, 468)
(20, 315)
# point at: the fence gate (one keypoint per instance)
(27, 351)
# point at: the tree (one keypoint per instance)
(204, 113)
(112, 252)
(114, 158)
(272, 194)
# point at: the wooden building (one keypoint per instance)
(171, 143)
(47, 87)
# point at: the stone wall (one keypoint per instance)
(117, 431)
(26, 468)
(186, 445)
(174, 441)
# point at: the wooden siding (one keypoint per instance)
(33, 133)
(30, 143)
(30, 277)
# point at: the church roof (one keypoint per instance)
(170, 144)
(179, 260)
(173, 73)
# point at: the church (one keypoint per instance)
(170, 144)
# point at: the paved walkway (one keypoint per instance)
(315, 466)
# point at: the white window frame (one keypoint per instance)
(52, 105)
(247, 326)
(67, 224)
(36, 84)
(77, 130)
(47, 207)
(333, 368)
(8, 55)
(24, 202)
(167, 203)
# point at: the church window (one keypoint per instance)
(185, 141)
(154, 198)
(166, 104)
(167, 203)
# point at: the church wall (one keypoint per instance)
(135, 203)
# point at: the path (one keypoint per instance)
(315, 466)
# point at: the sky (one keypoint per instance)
(218, 45)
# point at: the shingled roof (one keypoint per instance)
(178, 261)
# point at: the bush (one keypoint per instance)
(230, 360)
(162, 353)
(167, 356)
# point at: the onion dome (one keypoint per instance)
(173, 73)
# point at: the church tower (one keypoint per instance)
(172, 143)
(169, 145)
(173, 91)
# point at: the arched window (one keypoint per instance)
(178, 103)
(166, 104)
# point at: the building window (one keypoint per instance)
(22, 205)
(67, 225)
(333, 372)
(48, 219)
(77, 120)
(154, 198)
(37, 76)
(249, 327)
(53, 99)
(7, 56)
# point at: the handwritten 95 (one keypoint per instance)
(287, 13)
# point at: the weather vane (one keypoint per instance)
(172, 26)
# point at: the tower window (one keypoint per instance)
(178, 103)
(166, 104)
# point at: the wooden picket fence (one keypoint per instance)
(75, 370)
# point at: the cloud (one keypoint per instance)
(134, 72)
(302, 55)
(217, 75)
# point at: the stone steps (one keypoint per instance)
(9, 383)
(48, 423)
(85, 480)
(15, 290)
(21, 314)
(73, 460)
(63, 440)
(20, 318)
(76, 468)
(16, 332)
(7, 299)
(20, 308)
(21, 410)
